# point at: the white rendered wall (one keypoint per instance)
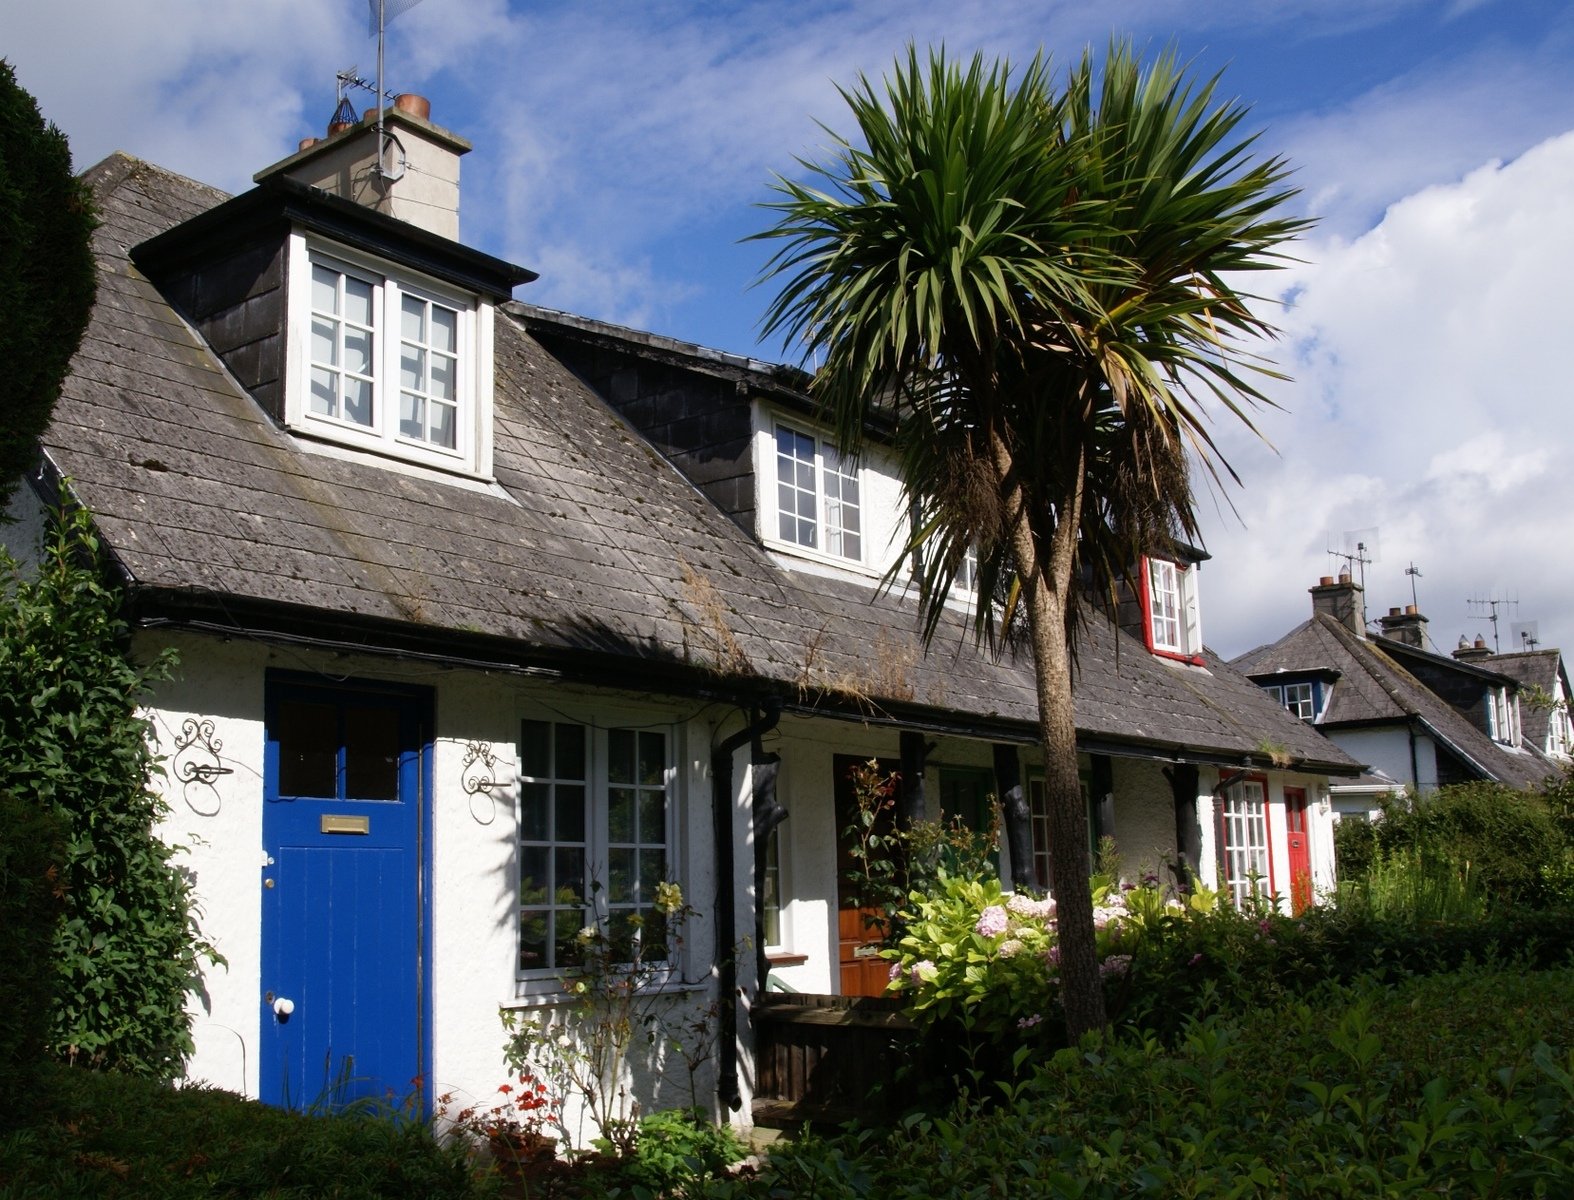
(1388, 749)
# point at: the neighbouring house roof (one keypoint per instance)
(590, 556)
(1541, 669)
(1374, 688)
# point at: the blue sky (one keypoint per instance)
(622, 149)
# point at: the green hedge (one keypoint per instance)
(1457, 1085)
(30, 908)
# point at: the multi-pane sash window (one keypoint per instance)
(592, 840)
(1243, 839)
(1164, 595)
(1038, 815)
(389, 365)
(819, 502)
(1298, 699)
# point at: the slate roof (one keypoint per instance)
(591, 555)
(1373, 688)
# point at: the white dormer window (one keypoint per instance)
(387, 361)
(1170, 603)
(819, 501)
(1502, 716)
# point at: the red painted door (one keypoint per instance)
(1300, 848)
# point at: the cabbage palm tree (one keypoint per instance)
(1041, 284)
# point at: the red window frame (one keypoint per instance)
(1145, 599)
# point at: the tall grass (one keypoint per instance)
(1411, 883)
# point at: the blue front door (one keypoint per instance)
(344, 998)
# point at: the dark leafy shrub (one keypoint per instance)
(675, 1151)
(1457, 1085)
(1506, 836)
(72, 742)
(1355, 846)
(103, 1134)
(30, 907)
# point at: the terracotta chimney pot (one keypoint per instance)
(1326, 581)
(414, 105)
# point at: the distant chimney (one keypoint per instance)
(416, 179)
(1469, 653)
(1405, 625)
(1343, 600)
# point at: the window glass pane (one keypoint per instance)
(771, 898)
(325, 289)
(325, 392)
(535, 748)
(325, 342)
(357, 301)
(442, 431)
(358, 401)
(566, 943)
(412, 368)
(570, 812)
(620, 756)
(535, 881)
(652, 759)
(620, 875)
(358, 351)
(444, 372)
(652, 870)
(535, 812)
(620, 814)
(445, 329)
(653, 817)
(308, 738)
(569, 876)
(570, 752)
(371, 753)
(533, 941)
(411, 417)
(412, 319)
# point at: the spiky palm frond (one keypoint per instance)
(1037, 276)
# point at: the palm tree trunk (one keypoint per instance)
(1047, 594)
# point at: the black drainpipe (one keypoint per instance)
(726, 901)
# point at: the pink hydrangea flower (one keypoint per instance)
(1053, 956)
(1023, 905)
(924, 970)
(1195, 959)
(1010, 948)
(1115, 964)
(992, 922)
(895, 972)
(1029, 1022)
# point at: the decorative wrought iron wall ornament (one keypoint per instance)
(198, 765)
(478, 778)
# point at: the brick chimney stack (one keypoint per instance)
(1405, 625)
(1343, 600)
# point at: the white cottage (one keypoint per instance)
(492, 619)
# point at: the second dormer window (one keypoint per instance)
(1171, 609)
(819, 502)
(389, 363)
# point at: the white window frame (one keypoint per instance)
(1174, 624)
(1502, 716)
(1038, 822)
(830, 529)
(773, 901)
(596, 905)
(1304, 707)
(471, 453)
(1244, 848)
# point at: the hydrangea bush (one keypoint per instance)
(974, 954)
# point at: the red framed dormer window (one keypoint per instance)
(1169, 610)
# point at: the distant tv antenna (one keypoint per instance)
(1415, 574)
(1525, 635)
(1359, 548)
(1487, 610)
(382, 11)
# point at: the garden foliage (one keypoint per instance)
(1458, 1085)
(1511, 843)
(72, 743)
(31, 850)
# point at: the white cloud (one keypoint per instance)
(1430, 402)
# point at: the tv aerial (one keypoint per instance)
(1486, 609)
(381, 12)
(1525, 635)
